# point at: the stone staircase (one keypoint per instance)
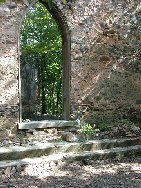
(67, 151)
(64, 151)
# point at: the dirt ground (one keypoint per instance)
(31, 137)
(125, 173)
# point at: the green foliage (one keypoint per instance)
(88, 130)
(41, 47)
(2, 1)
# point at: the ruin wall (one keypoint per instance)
(105, 58)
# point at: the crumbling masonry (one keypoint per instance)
(105, 65)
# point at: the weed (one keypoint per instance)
(88, 130)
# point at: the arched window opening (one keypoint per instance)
(43, 66)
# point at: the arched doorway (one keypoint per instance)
(36, 81)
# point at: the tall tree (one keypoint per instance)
(41, 46)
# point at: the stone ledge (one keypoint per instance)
(46, 124)
(41, 149)
(114, 153)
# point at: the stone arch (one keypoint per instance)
(66, 48)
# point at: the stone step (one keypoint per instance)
(113, 153)
(47, 149)
(46, 124)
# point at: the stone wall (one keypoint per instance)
(9, 26)
(105, 57)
